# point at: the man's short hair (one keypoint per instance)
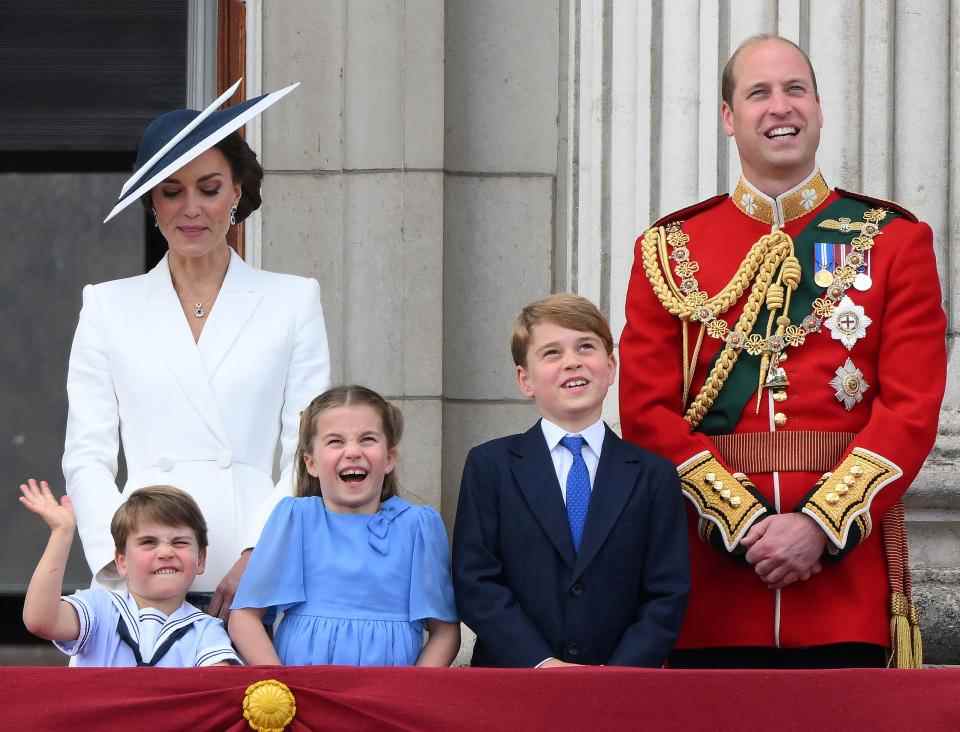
(563, 309)
(728, 82)
(162, 504)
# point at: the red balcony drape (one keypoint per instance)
(592, 699)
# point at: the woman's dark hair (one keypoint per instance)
(245, 169)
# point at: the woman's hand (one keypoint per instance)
(222, 598)
(39, 499)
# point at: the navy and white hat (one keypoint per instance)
(175, 138)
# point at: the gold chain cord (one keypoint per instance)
(670, 296)
(759, 267)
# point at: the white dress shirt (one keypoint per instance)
(563, 458)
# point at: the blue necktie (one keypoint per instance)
(578, 489)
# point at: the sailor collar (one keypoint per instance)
(798, 201)
(147, 631)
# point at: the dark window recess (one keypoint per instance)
(87, 77)
(156, 245)
(67, 161)
(12, 629)
(88, 74)
(80, 80)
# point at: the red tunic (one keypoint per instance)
(903, 360)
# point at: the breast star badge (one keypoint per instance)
(848, 322)
(849, 385)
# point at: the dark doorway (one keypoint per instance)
(81, 78)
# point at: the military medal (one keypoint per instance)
(823, 278)
(823, 264)
(776, 378)
(863, 281)
(858, 259)
(849, 385)
(848, 322)
(777, 382)
(859, 262)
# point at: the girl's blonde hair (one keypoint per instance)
(345, 396)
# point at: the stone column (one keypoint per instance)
(354, 195)
(447, 161)
(891, 129)
(501, 136)
(926, 180)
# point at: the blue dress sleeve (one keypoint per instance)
(274, 577)
(431, 586)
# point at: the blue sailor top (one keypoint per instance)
(115, 632)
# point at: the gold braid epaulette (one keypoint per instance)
(684, 307)
(759, 267)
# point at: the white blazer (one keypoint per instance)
(205, 417)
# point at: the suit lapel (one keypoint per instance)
(166, 330)
(533, 470)
(238, 299)
(612, 487)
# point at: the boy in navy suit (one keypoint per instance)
(570, 545)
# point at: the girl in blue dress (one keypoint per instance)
(357, 571)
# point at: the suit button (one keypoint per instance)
(165, 464)
(577, 589)
(224, 459)
(573, 650)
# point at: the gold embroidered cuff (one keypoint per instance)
(719, 498)
(843, 499)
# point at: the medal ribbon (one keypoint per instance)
(742, 383)
(824, 259)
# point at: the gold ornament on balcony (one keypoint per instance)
(268, 706)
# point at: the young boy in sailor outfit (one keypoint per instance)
(161, 544)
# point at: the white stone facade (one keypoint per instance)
(447, 161)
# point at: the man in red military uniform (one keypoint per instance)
(785, 348)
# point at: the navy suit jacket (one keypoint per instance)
(525, 592)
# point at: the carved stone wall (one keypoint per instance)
(891, 129)
(446, 161)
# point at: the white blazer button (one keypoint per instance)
(224, 459)
(165, 464)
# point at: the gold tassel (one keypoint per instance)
(917, 640)
(901, 641)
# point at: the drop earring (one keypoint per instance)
(156, 221)
(233, 215)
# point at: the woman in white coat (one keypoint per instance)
(200, 366)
